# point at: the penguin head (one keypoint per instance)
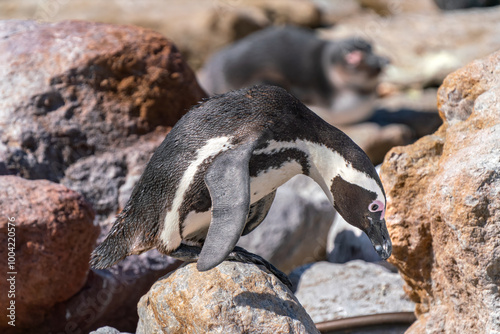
(362, 204)
(351, 63)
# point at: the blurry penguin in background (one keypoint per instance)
(336, 79)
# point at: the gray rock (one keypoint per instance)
(106, 180)
(132, 277)
(331, 291)
(233, 297)
(296, 228)
(107, 330)
(346, 243)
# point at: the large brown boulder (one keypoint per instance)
(86, 104)
(74, 89)
(444, 207)
(54, 235)
(232, 298)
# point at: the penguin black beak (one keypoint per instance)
(379, 236)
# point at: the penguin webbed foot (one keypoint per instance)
(191, 254)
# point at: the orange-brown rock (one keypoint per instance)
(232, 298)
(73, 89)
(54, 235)
(444, 207)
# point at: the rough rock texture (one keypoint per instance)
(425, 48)
(54, 236)
(331, 291)
(444, 207)
(231, 298)
(86, 104)
(107, 179)
(295, 231)
(74, 89)
(134, 276)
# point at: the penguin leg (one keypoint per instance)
(192, 253)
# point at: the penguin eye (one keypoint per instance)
(375, 206)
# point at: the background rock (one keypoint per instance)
(376, 140)
(295, 231)
(107, 330)
(54, 236)
(131, 279)
(346, 243)
(105, 99)
(446, 246)
(198, 27)
(90, 88)
(107, 179)
(231, 298)
(331, 291)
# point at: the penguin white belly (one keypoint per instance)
(270, 179)
(196, 224)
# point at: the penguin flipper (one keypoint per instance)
(228, 181)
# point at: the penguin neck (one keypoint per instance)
(324, 165)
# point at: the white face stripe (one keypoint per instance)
(328, 164)
(170, 234)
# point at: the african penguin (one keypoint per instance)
(337, 78)
(215, 175)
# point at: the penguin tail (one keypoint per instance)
(112, 250)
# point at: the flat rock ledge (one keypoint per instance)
(231, 298)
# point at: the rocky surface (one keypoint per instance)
(295, 231)
(105, 99)
(331, 291)
(107, 330)
(90, 88)
(444, 208)
(234, 297)
(132, 278)
(107, 179)
(54, 235)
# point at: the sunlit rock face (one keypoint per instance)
(444, 207)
